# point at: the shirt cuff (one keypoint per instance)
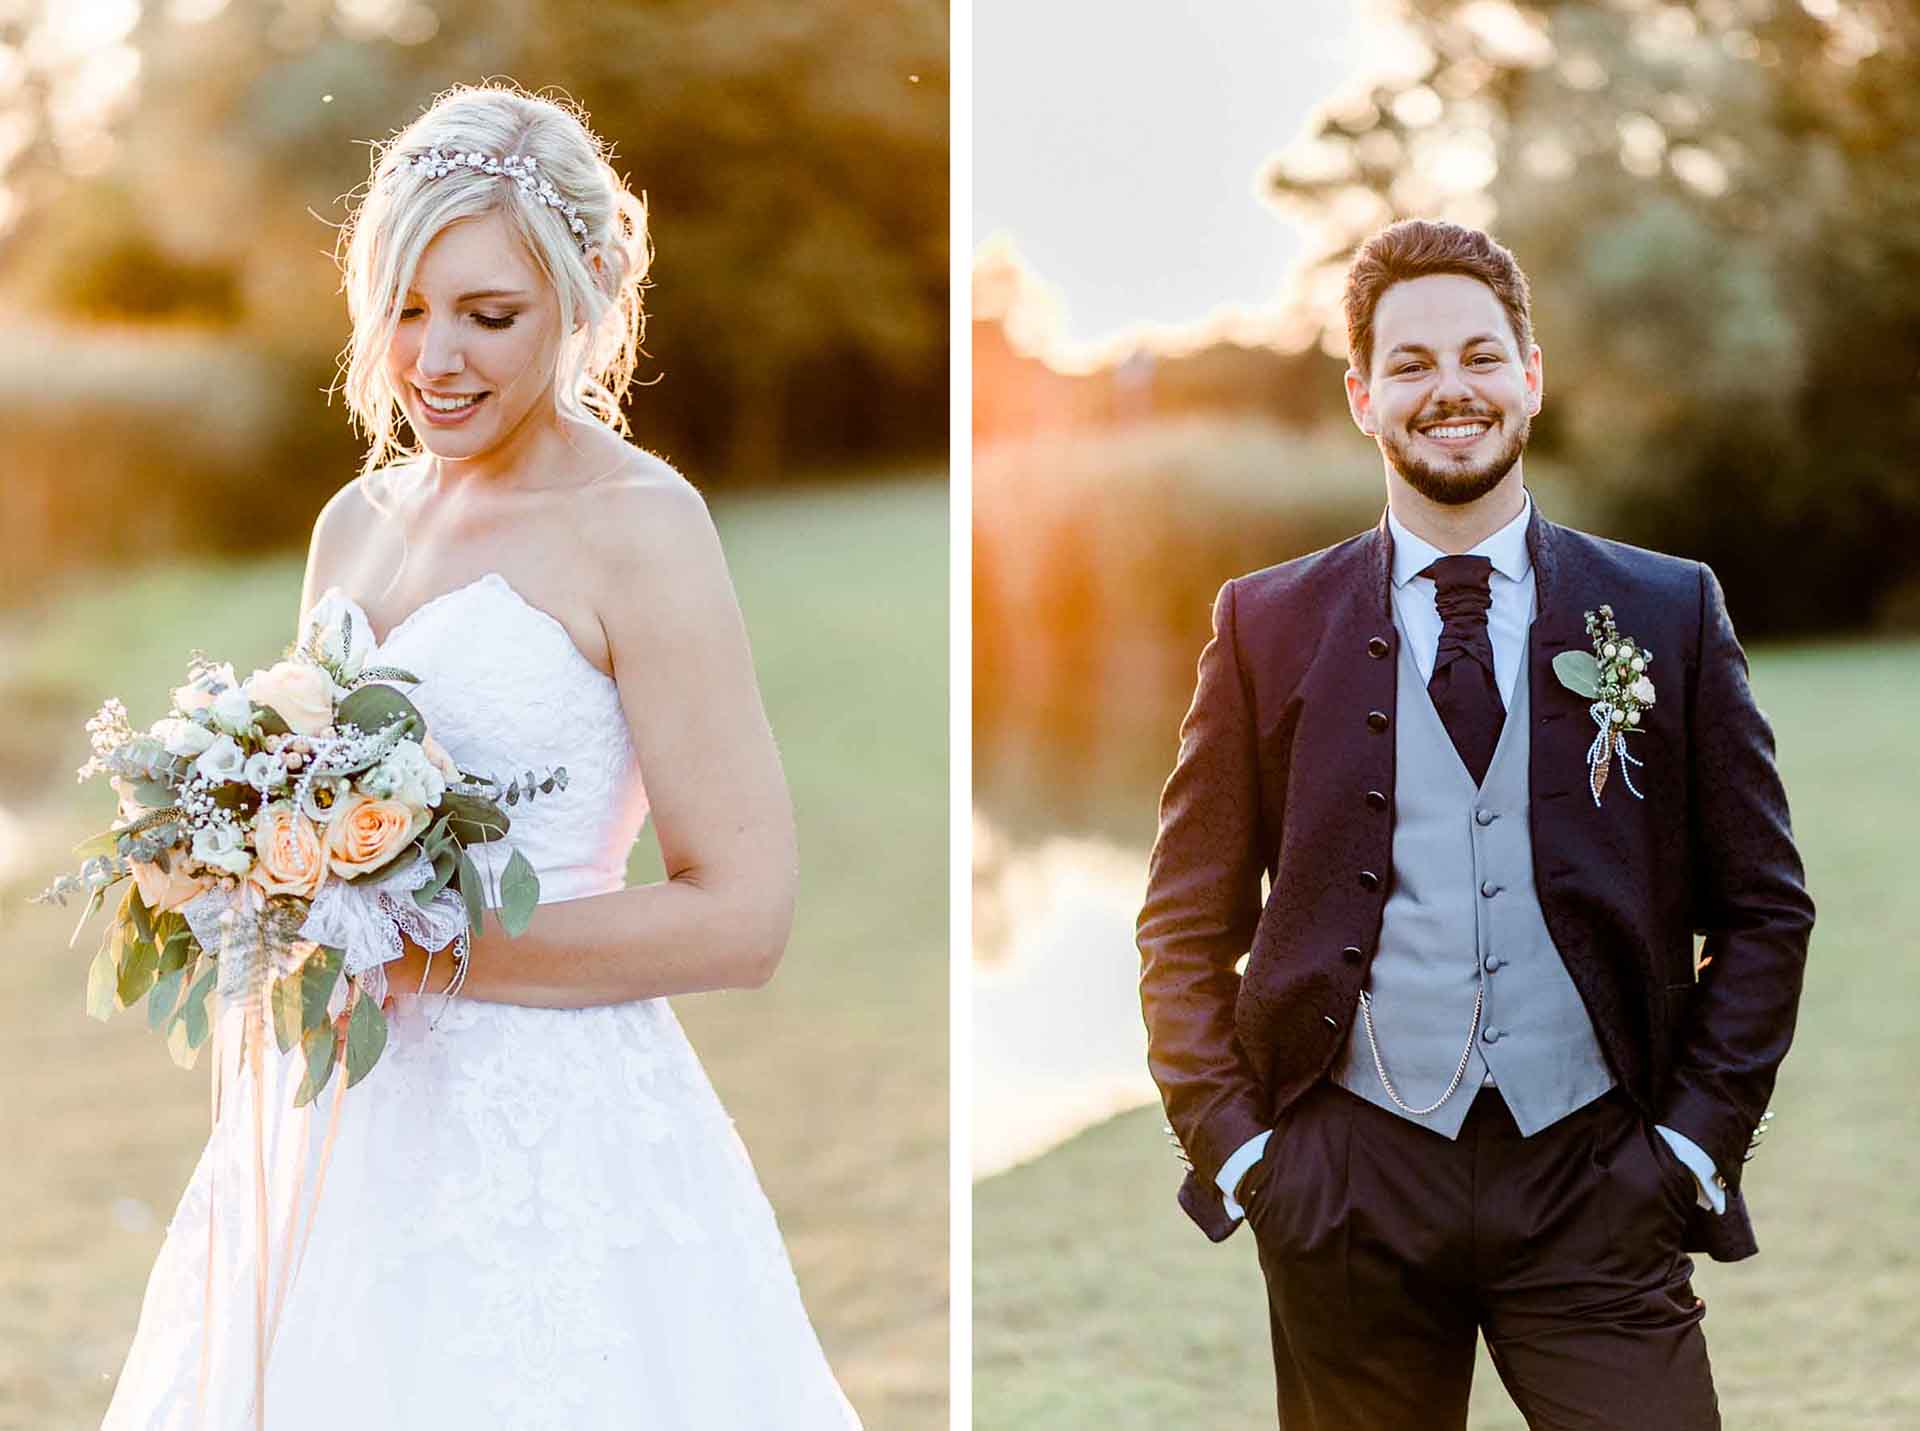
(1235, 1168)
(1711, 1192)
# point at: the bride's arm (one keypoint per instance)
(719, 800)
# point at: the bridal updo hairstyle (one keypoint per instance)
(402, 211)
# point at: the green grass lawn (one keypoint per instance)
(836, 1074)
(1097, 1304)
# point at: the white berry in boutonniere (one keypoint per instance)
(1614, 678)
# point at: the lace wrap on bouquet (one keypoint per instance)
(367, 921)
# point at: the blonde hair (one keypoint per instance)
(401, 212)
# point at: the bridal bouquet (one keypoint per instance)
(277, 837)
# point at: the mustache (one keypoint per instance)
(1438, 415)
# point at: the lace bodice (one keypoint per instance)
(506, 691)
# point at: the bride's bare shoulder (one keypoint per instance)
(341, 531)
(649, 536)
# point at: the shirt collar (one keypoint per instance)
(1507, 548)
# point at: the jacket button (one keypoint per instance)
(1378, 647)
(1376, 800)
(1352, 954)
(1369, 880)
(1376, 720)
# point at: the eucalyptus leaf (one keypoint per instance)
(193, 1013)
(139, 967)
(366, 1038)
(103, 977)
(107, 842)
(1579, 672)
(444, 865)
(376, 707)
(473, 892)
(164, 998)
(176, 951)
(135, 909)
(284, 1005)
(317, 979)
(180, 1047)
(519, 893)
(318, 1046)
(474, 819)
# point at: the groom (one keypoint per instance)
(1459, 1066)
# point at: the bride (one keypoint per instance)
(536, 1213)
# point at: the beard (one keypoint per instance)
(1455, 483)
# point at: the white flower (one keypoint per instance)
(406, 774)
(222, 762)
(340, 635)
(1610, 650)
(323, 796)
(1642, 690)
(265, 772)
(1633, 717)
(233, 711)
(181, 737)
(224, 847)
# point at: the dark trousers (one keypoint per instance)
(1387, 1247)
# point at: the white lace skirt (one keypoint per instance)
(532, 1219)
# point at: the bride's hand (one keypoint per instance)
(405, 973)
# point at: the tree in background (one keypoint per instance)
(795, 158)
(1718, 203)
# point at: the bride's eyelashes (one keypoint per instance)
(485, 320)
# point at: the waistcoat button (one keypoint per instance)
(1369, 880)
(1378, 647)
(1484, 817)
(1494, 961)
(1489, 888)
(1376, 720)
(1491, 1035)
(1352, 954)
(1376, 800)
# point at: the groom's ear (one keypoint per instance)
(1360, 403)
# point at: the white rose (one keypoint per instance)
(340, 635)
(299, 693)
(181, 737)
(233, 711)
(224, 847)
(198, 693)
(406, 774)
(1643, 690)
(264, 772)
(222, 762)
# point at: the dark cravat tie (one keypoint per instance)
(1462, 686)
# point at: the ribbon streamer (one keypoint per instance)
(1608, 743)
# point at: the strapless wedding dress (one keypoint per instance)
(533, 1218)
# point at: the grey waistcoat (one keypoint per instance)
(1462, 897)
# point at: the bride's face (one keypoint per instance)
(479, 332)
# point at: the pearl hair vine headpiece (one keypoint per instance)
(523, 170)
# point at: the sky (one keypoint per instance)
(1120, 143)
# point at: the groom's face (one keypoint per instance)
(1448, 395)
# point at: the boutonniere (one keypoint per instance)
(1614, 678)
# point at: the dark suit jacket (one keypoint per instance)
(1290, 733)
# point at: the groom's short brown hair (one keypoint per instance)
(1415, 248)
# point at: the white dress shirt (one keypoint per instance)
(1508, 621)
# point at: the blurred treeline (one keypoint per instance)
(1718, 205)
(166, 257)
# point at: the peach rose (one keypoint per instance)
(441, 761)
(365, 833)
(162, 890)
(301, 694)
(289, 856)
